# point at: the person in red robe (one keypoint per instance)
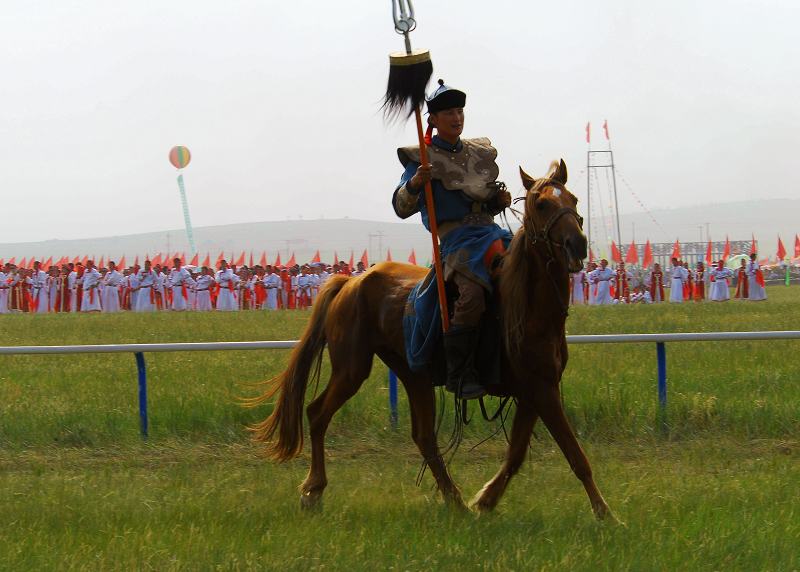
(699, 293)
(742, 285)
(687, 286)
(286, 289)
(657, 284)
(621, 284)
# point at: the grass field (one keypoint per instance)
(80, 490)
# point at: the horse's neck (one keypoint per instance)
(549, 285)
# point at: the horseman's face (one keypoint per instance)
(449, 123)
(552, 210)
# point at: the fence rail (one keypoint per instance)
(138, 350)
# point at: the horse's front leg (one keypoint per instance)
(491, 493)
(548, 405)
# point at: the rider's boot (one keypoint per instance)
(462, 376)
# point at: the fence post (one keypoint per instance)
(142, 392)
(393, 399)
(661, 357)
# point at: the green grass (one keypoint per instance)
(80, 490)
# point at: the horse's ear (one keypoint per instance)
(561, 173)
(527, 180)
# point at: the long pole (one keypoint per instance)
(588, 196)
(437, 257)
(616, 202)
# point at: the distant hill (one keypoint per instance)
(765, 219)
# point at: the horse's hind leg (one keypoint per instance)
(548, 405)
(423, 409)
(491, 493)
(344, 384)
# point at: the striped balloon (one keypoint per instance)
(179, 156)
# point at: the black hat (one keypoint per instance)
(445, 97)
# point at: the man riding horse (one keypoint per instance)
(463, 176)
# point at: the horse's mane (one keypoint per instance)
(514, 285)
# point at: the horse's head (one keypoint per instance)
(551, 215)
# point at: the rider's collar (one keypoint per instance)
(442, 144)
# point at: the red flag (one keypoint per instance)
(726, 254)
(796, 246)
(207, 260)
(12, 260)
(388, 255)
(252, 262)
(753, 245)
(1, 262)
(412, 258)
(676, 250)
(709, 261)
(122, 262)
(292, 261)
(195, 259)
(156, 260)
(240, 260)
(351, 260)
(605, 128)
(616, 255)
(589, 132)
(632, 257)
(221, 257)
(364, 259)
(781, 250)
(335, 257)
(278, 260)
(263, 260)
(23, 263)
(647, 261)
(47, 264)
(102, 262)
(316, 257)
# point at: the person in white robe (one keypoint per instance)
(719, 287)
(756, 292)
(180, 280)
(603, 277)
(203, 286)
(112, 283)
(678, 275)
(272, 284)
(91, 283)
(145, 284)
(72, 284)
(40, 289)
(53, 284)
(227, 300)
(578, 279)
(162, 285)
(7, 282)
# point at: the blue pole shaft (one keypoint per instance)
(142, 392)
(393, 399)
(661, 355)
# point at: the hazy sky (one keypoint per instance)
(278, 103)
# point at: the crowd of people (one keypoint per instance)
(599, 284)
(86, 288)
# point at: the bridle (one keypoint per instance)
(543, 236)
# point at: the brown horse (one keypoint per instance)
(358, 318)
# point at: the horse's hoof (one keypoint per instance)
(310, 501)
(479, 505)
(606, 516)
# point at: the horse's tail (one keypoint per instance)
(286, 421)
